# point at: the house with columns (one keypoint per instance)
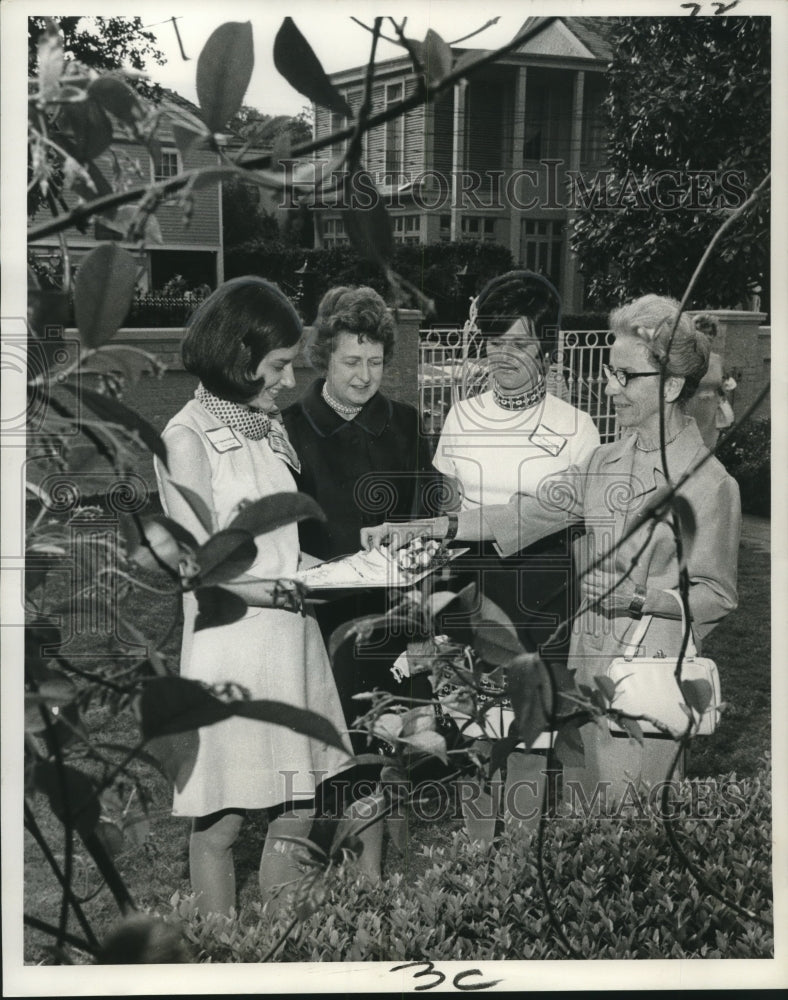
(506, 156)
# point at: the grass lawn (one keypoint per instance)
(157, 868)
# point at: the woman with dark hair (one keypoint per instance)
(501, 442)
(507, 439)
(653, 371)
(228, 446)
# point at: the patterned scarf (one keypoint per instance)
(251, 423)
(524, 400)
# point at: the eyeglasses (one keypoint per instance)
(622, 377)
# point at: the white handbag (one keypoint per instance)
(647, 685)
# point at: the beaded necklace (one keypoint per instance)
(341, 408)
(524, 400)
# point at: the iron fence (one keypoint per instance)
(152, 309)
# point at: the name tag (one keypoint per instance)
(224, 439)
(553, 444)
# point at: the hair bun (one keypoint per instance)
(706, 324)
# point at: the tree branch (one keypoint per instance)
(118, 198)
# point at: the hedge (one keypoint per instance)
(747, 457)
(431, 268)
(617, 888)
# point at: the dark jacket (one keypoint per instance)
(374, 468)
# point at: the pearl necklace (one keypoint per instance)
(341, 408)
(524, 400)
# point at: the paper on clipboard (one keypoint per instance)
(367, 569)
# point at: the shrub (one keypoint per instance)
(431, 268)
(747, 457)
(615, 884)
(585, 321)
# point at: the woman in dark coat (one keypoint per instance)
(362, 454)
(364, 459)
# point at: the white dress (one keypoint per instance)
(494, 453)
(273, 654)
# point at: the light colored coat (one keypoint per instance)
(609, 492)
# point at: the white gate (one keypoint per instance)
(451, 367)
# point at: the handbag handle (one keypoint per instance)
(632, 646)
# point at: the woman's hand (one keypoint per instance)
(397, 534)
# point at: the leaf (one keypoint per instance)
(300, 720)
(89, 128)
(126, 220)
(171, 705)
(632, 726)
(56, 691)
(362, 628)
(437, 602)
(697, 693)
(50, 61)
(435, 56)
(71, 794)
(182, 535)
(296, 61)
(606, 686)
(418, 720)
(224, 69)
(495, 643)
(499, 754)
(103, 291)
(115, 412)
(176, 755)
(388, 725)
(162, 542)
(117, 97)
(685, 513)
(269, 513)
(217, 606)
(367, 219)
(129, 363)
(197, 506)
(97, 188)
(528, 687)
(186, 137)
(41, 642)
(47, 308)
(225, 556)
(429, 742)
(569, 746)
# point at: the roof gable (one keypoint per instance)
(567, 37)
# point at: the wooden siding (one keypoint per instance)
(134, 165)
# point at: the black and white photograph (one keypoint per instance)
(390, 441)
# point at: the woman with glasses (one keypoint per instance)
(628, 561)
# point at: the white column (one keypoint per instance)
(457, 154)
(571, 279)
(518, 158)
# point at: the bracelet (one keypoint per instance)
(635, 608)
(451, 530)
